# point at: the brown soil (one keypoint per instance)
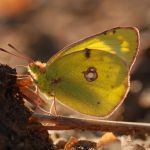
(16, 131)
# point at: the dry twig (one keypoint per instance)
(66, 123)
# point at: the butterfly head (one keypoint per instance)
(36, 68)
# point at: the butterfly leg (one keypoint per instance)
(38, 101)
(53, 107)
(38, 97)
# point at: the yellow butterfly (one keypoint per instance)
(92, 75)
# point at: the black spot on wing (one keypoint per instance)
(112, 86)
(55, 81)
(114, 31)
(98, 102)
(87, 53)
(105, 32)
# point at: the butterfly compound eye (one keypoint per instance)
(90, 74)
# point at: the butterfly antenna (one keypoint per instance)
(3, 50)
(21, 54)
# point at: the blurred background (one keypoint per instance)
(40, 28)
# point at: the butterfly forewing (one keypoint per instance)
(122, 41)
